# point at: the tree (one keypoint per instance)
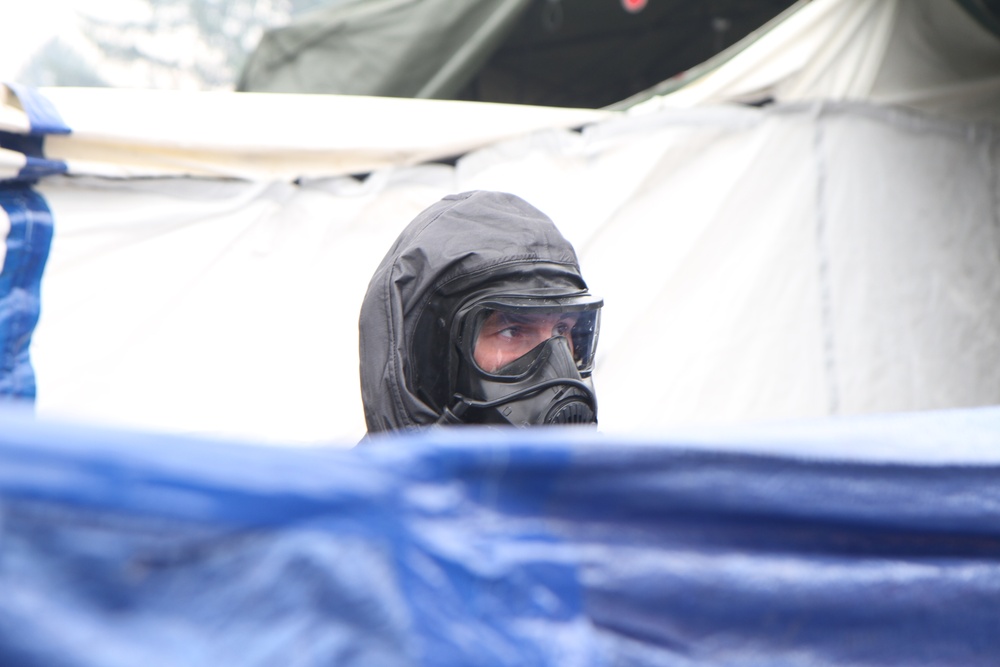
(186, 44)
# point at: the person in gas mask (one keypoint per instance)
(478, 314)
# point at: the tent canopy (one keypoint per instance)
(595, 53)
(577, 53)
(938, 57)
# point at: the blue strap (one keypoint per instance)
(36, 165)
(44, 119)
(28, 245)
(42, 114)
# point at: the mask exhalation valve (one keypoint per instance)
(572, 411)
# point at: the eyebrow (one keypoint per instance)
(512, 318)
(504, 317)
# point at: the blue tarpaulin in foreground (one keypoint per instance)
(870, 541)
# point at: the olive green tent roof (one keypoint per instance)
(583, 53)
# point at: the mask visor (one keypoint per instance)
(505, 334)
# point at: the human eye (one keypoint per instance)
(511, 332)
(563, 327)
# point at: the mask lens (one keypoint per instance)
(504, 336)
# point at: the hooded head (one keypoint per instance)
(463, 265)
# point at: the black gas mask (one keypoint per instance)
(526, 360)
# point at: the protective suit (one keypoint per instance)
(478, 314)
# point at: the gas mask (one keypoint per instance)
(526, 360)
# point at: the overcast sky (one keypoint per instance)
(26, 27)
(174, 55)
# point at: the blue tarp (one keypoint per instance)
(871, 541)
(26, 242)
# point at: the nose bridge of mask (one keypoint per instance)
(554, 351)
(508, 337)
(545, 387)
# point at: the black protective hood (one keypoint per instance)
(467, 244)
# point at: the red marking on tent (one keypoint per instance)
(634, 6)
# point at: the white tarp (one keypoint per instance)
(794, 261)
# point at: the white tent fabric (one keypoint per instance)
(807, 258)
(140, 133)
(757, 264)
(923, 54)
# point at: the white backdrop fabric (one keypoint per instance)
(797, 260)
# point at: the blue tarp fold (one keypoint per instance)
(864, 541)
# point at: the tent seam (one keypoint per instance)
(823, 264)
